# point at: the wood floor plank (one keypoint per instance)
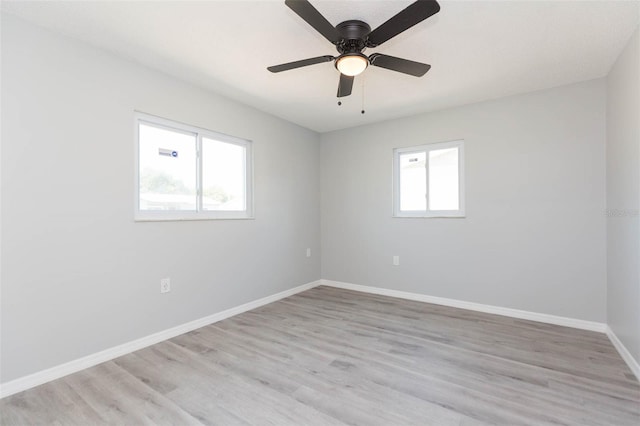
(393, 366)
(119, 397)
(329, 356)
(51, 403)
(494, 335)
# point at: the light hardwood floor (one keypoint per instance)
(330, 356)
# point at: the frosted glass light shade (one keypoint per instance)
(352, 64)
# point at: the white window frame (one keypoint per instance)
(426, 149)
(200, 133)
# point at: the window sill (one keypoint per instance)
(144, 218)
(431, 216)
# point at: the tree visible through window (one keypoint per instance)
(189, 173)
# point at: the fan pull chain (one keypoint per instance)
(362, 112)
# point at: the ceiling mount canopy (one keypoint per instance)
(352, 37)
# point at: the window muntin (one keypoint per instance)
(429, 180)
(184, 172)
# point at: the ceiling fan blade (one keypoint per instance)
(405, 19)
(345, 85)
(310, 14)
(299, 64)
(405, 66)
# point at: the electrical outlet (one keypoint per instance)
(308, 252)
(165, 285)
(396, 260)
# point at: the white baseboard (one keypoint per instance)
(508, 312)
(41, 377)
(624, 353)
(53, 373)
(515, 313)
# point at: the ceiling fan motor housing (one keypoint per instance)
(354, 34)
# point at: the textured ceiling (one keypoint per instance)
(478, 50)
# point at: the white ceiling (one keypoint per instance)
(478, 50)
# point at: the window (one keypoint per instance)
(429, 180)
(185, 172)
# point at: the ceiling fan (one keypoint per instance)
(352, 37)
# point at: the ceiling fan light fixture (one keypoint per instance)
(352, 64)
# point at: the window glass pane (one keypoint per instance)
(223, 176)
(413, 181)
(443, 179)
(167, 169)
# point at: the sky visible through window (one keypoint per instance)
(443, 179)
(413, 181)
(168, 173)
(223, 175)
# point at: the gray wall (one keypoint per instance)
(623, 195)
(78, 274)
(534, 235)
